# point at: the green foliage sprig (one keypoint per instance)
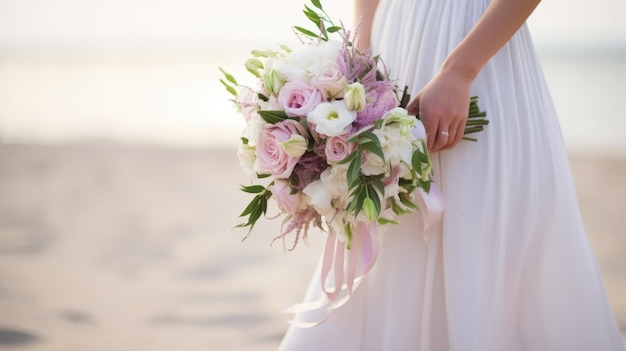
(256, 207)
(322, 22)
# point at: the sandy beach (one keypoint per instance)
(108, 246)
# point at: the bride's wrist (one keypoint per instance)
(459, 68)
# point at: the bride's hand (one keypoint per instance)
(443, 108)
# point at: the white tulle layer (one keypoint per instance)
(510, 267)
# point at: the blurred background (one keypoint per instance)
(119, 180)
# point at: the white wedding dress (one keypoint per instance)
(510, 267)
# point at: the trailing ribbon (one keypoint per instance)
(351, 265)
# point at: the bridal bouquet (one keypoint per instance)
(327, 139)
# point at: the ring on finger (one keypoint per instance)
(445, 133)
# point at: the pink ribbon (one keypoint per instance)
(365, 245)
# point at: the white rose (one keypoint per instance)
(331, 118)
(307, 62)
(335, 179)
(319, 197)
(373, 165)
(298, 64)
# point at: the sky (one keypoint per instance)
(194, 25)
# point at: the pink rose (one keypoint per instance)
(330, 80)
(288, 202)
(271, 155)
(298, 98)
(337, 148)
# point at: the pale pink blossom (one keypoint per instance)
(298, 98)
(288, 202)
(271, 155)
(330, 80)
(338, 148)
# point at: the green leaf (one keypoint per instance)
(228, 76)
(416, 160)
(354, 169)
(305, 31)
(251, 206)
(369, 208)
(367, 137)
(355, 194)
(350, 157)
(229, 88)
(385, 221)
(379, 185)
(273, 116)
(406, 201)
(375, 200)
(370, 141)
(334, 29)
(359, 202)
(317, 4)
(375, 149)
(253, 189)
(312, 15)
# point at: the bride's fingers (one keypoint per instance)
(431, 130)
(452, 131)
(442, 139)
(456, 135)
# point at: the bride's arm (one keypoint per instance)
(443, 102)
(364, 12)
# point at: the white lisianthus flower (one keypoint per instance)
(319, 197)
(296, 146)
(331, 118)
(401, 117)
(354, 97)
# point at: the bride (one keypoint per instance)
(510, 267)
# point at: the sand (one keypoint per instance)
(108, 246)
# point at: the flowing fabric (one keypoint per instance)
(509, 267)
